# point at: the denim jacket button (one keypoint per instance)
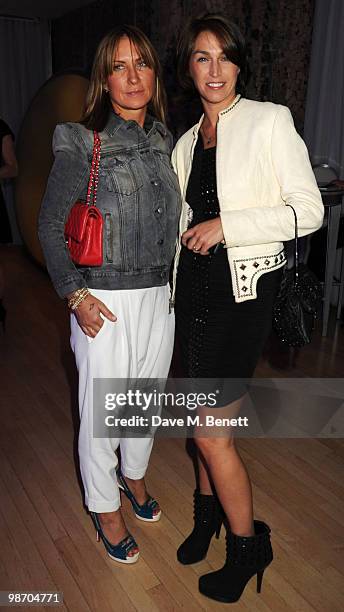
(159, 210)
(155, 183)
(160, 241)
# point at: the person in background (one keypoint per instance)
(121, 324)
(8, 170)
(238, 168)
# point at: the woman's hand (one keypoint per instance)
(88, 315)
(203, 236)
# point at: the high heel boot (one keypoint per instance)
(246, 556)
(208, 517)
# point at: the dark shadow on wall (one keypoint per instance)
(278, 34)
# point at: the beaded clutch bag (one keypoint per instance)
(297, 303)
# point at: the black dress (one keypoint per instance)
(5, 228)
(217, 337)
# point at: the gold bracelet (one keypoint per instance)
(78, 302)
(78, 296)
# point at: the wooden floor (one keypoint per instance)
(47, 541)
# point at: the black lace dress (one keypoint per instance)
(217, 337)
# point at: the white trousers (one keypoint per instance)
(138, 345)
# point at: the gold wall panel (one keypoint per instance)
(60, 99)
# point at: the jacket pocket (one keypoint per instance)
(108, 228)
(112, 238)
(120, 176)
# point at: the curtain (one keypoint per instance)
(324, 119)
(25, 64)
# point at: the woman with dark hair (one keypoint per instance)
(121, 327)
(239, 168)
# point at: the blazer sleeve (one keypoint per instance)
(291, 166)
(66, 182)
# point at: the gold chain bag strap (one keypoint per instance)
(84, 227)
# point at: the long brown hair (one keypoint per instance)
(227, 33)
(98, 102)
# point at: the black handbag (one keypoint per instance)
(298, 301)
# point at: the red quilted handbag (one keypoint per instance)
(84, 227)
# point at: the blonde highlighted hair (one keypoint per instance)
(97, 100)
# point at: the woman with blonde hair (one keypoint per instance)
(121, 325)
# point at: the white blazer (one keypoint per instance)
(262, 164)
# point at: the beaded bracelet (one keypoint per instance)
(78, 296)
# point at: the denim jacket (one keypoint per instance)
(138, 196)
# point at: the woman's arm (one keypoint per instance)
(9, 169)
(291, 165)
(66, 182)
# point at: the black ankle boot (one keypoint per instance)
(246, 556)
(208, 516)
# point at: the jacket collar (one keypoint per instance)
(115, 123)
(223, 113)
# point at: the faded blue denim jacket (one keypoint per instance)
(138, 195)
